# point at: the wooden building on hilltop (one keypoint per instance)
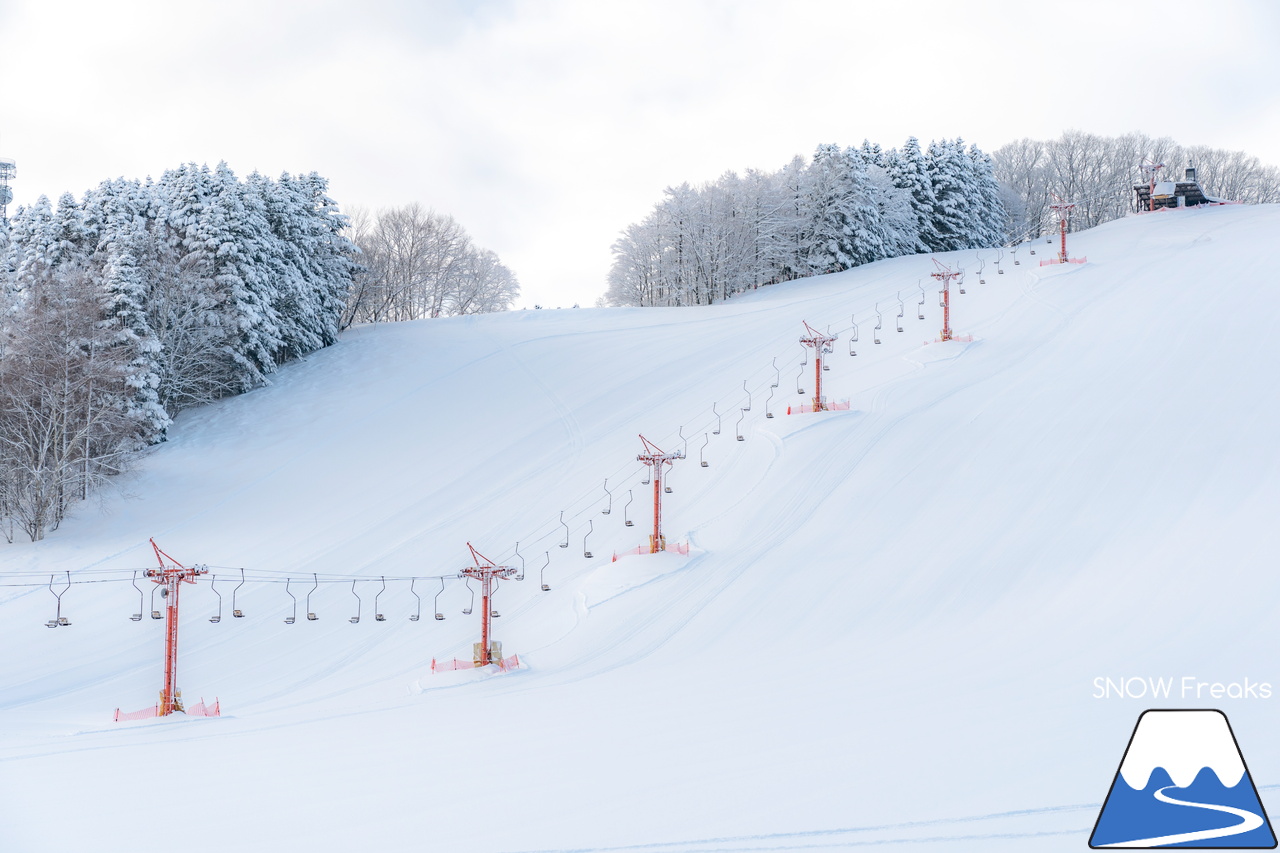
(1184, 193)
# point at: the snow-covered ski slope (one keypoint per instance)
(886, 631)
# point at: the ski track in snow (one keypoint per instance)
(919, 832)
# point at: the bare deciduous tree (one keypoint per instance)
(63, 429)
(418, 264)
(1098, 174)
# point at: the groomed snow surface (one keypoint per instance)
(886, 631)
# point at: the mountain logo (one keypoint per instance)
(1183, 783)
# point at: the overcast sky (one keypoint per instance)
(546, 126)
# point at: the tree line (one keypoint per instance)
(843, 208)
(1098, 173)
(120, 309)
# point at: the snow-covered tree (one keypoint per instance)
(416, 263)
(1098, 173)
(910, 172)
(120, 309)
(954, 191)
(844, 208)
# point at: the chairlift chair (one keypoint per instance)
(630, 497)
(439, 615)
(378, 616)
(875, 333)
(311, 615)
(520, 575)
(292, 617)
(590, 526)
(239, 614)
(715, 431)
(356, 618)
(58, 620)
(604, 511)
(542, 577)
(156, 614)
(213, 581)
(565, 543)
(920, 307)
(137, 617)
(414, 617)
(702, 459)
(466, 611)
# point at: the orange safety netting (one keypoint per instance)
(200, 709)
(144, 714)
(838, 406)
(506, 664)
(681, 548)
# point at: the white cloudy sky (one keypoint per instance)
(546, 126)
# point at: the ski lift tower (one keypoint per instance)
(821, 343)
(656, 458)
(485, 652)
(7, 171)
(171, 577)
(944, 274)
(1151, 169)
(1063, 209)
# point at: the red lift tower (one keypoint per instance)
(171, 577)
(944, 274)
(1151, 169)
(1063, 209)
(485, 652)
(655, 458)
(821, 343)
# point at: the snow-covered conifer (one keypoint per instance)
(910, 172)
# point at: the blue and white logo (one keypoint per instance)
(1183, 783)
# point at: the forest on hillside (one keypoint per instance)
(851, 206)
(845, 207)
